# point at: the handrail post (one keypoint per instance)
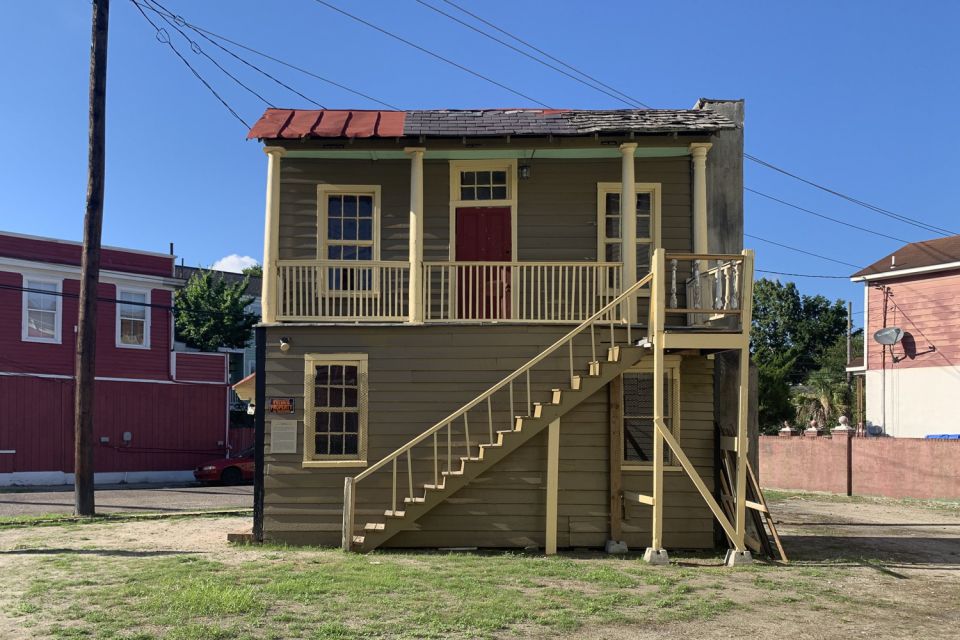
(346, 538)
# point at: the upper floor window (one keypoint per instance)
(610, 224)
(349, 231)
(41, 310)
(133, 318)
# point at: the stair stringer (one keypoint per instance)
(508, 441)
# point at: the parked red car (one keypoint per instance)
(227, 470)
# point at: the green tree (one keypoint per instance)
(791, 335)
(210, 313)
(254, 271)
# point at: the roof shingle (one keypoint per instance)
(928, 253)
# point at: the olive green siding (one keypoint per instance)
(417, 376)
(557, 205)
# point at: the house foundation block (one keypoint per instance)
(616, 547)
(737, 558)
(656, 556)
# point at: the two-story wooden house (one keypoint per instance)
(498, 328)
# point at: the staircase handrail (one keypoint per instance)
(632, 290)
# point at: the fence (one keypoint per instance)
(887, 467)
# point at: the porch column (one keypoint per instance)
(416, 233)
(553, 484)
(271, 236)
(698, 151)
(628, 223)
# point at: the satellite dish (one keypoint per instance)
(889, 335)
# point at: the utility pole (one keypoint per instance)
(90, 268)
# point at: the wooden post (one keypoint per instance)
(628, 224)
(260, 431)
(616, 458)
(346, 539)
(84, 368)
(553, 483)
(416, 234)
(271, 236)
(743, 409)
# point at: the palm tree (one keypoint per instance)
(824, 397)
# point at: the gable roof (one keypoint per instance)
(916, 255)
(326, 123)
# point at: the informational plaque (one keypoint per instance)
(283, 436)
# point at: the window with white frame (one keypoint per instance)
(349, 232)
(610, 224)
(133, 318)
(638, 415)
(335, 408)
(41, 310)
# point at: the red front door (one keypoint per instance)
(483, 235)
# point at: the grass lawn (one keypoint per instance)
(275, 592)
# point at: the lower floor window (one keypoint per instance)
(638, 426)
(335, 407)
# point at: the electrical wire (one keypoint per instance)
(179, 20)
(431, 53)
(809, 253)
(801, 275)
(164, 37)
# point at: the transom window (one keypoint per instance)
(483, 185)
(335, 407)
(41, 311)
(349, 222)
(610, 224)
(133, 318)
(638, 415)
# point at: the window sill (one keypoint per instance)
(41, 340)
(629, 468)
(329, 464)
(142, 347)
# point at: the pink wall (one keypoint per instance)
(889, 467)
(927, 307)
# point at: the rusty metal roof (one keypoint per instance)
(286, 124)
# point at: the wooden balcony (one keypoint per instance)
(696, 291)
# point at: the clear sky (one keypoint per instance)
(860, 96)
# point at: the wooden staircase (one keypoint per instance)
(582, 385)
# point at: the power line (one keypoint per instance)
(181, 21)
(198, 50)
(825, 217)
(431, 53)
(809, 253)
(626, 99)
(637, 103)
(521, 51)
(164, 37)
(867, 205)
(801, 275)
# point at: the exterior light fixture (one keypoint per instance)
(524, 171)
(284, 344)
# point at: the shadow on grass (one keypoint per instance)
(118, 553)
(878, 552)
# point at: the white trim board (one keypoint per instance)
(59, 478)
(899, 273)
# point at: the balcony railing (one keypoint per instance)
(541, 292)
(706, 288)
(343, 290)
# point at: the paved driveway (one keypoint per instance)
(127, 498)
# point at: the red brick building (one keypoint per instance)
(159, 412)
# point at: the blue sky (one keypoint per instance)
(856, 95)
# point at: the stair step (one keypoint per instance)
(537, 409)
(358, 539)
(394, 514)
(415, 500)
(433, 487)
(470, 459)
(613, 354)
(452, 473)
(556, 395)
(594, 370)
(374, 526)
(575, 383)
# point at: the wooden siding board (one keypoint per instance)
(451, 365)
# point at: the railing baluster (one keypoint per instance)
(735, 299)
(726, 286)
(490, 417)
(717, 288)
(529, 401)
(449, 445)
(510, 413)
(410, 472)
(394, 492)
(466, 432)
(593, 343)
(673, 284)
(436, 462)
(571, 358)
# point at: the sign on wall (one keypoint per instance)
(281, 405)
(283, 436)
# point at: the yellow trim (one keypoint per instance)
(324, 190)
(271, 236)
(655, 189)
(310, 458)
(553, 486)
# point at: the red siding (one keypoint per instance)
(112, 361)
(59, 252)
(201, 367)
(174, 426)
(927, 308)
